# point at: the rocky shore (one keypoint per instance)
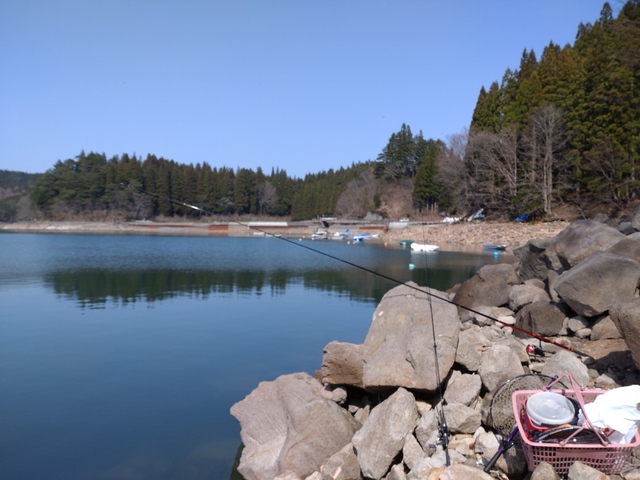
(447, 236)
(476, 234)
(375, 410)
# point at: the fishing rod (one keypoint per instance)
(539, 337)
(443, 430)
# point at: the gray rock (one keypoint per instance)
(343, 465)
(534, 262)
(342, 364)
(499, 363)
(551, 280)
(486, 443)
(606, 382)
(577, 323)
(427, 429)
(626, 228)
(461, 419)
(626, 317)
(543, 318)
(628, 247)
(483, 315)
(471, 345)
(513, 462)
(517, 346)
(582, 239)
(288, 426)
(382, 436)
(489, 286)
(544, 471)
(563, 362)
(424, 469)
(521, 295)
(463, 389)
(504, 315)
(599, 282)
(398, 350)
(412, 452)
(396, 473)
(463, 472)
(604, 329)
(580, 471)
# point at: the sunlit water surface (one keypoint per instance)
(120, 356)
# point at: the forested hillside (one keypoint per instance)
(14, 190)
(563, 130)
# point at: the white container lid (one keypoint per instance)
(548, 408)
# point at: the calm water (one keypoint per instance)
(120, 356)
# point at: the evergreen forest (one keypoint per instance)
(560, 133)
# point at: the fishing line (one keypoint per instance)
(380, 275)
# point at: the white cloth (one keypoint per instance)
(616, 413)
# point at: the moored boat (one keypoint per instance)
(496, 246)
(423, 247)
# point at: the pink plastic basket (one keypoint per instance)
(605, 457)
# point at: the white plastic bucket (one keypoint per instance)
(548, 408)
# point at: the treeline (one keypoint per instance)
(564, 128)
(92, 186)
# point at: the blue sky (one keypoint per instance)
(299, 85)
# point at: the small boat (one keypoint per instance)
(422, 247)
(405, 242)
(496, 246)
(320, 234)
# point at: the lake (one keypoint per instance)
(120, 356)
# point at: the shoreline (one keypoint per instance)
(457, 236)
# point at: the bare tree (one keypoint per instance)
(493, 170)
(544, 143)
(451, 174)
(358, 197)
(267, 197)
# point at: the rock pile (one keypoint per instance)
(374, 410)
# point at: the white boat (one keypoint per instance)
(320, 234)
(423, 247)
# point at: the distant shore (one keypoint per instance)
(463, 235)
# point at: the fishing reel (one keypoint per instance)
(535, 351)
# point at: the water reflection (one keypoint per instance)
(96, 287)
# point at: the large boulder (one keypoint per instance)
(342, 364)
(399, 348)
(582, 239)
(463, 388)
(627, 247)
(383, 435)
(287, 426)
(521, 295)
(536, 259)
(563, 362)
(461, 419)
(543, 318)
(471, 345)
(499, 363)
(488, 287)
(342, 466)
(626, 317)
(599, 282)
